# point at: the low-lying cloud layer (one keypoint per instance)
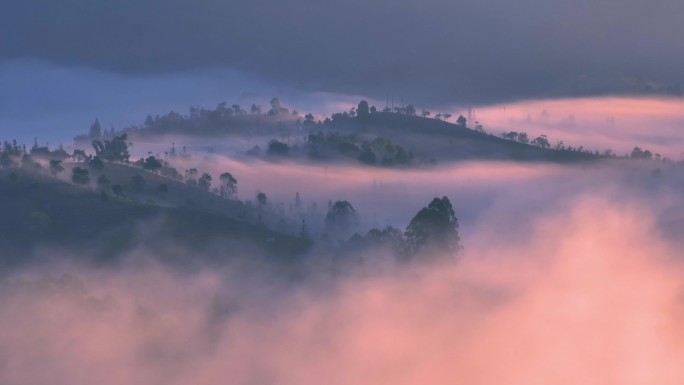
(617, 123)
(590, 295)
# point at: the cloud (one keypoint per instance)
(591, 295)
(617, 123)
(468, 51)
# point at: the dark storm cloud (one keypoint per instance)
(463, 50)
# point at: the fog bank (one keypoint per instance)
(591, 294)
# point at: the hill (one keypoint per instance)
(43, 213)
(381, 138)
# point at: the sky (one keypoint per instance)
(64, 63)
(466, 49)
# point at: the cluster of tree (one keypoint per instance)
(199, 120)
(522, 137)
(638, 153)
(114, 150)
(431, 234)
(542, 141)
(12, 154)
(95, 132)
(379, 151)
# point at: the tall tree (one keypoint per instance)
(95, 131)
(461, 121)
(228, 187)
(204, 181)
(363, 111)
(341, 217)
(434, 230)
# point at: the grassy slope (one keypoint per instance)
(42, 212)
(447, 141)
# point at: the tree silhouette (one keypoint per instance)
(341, 216)
(276, 147)
(56, 167)
(228, 187)
(80, 175)
(434, 230)
(204, 181)
(541, 141)
(363, 111)
(153, 164)
(117, 189)
(79, 155)
(461, 121)
(95, 131)
(114, 150)
(261, 199)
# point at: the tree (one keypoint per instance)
(434, 230)
(204, 181)
(256, 110)
(363, 111)
(117, 189)
(278, 148)
(341, 216)
(276, 108)
(446, 116)
(637, 153)
(388, 238)
(426, 113)
(461, 121)
(153, 164)
(191, 176)
(80, 155)
(410, 110)
(95, 131)
(149, 121)
(510, 135)
(80, 175)
(56, 167)
(541, 141)
(261, 199)
(228, 187)
(114, 150)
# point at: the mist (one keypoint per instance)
(616, 123)
(584, 288)
(55, 103)
(204, 246)
(570, 273)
